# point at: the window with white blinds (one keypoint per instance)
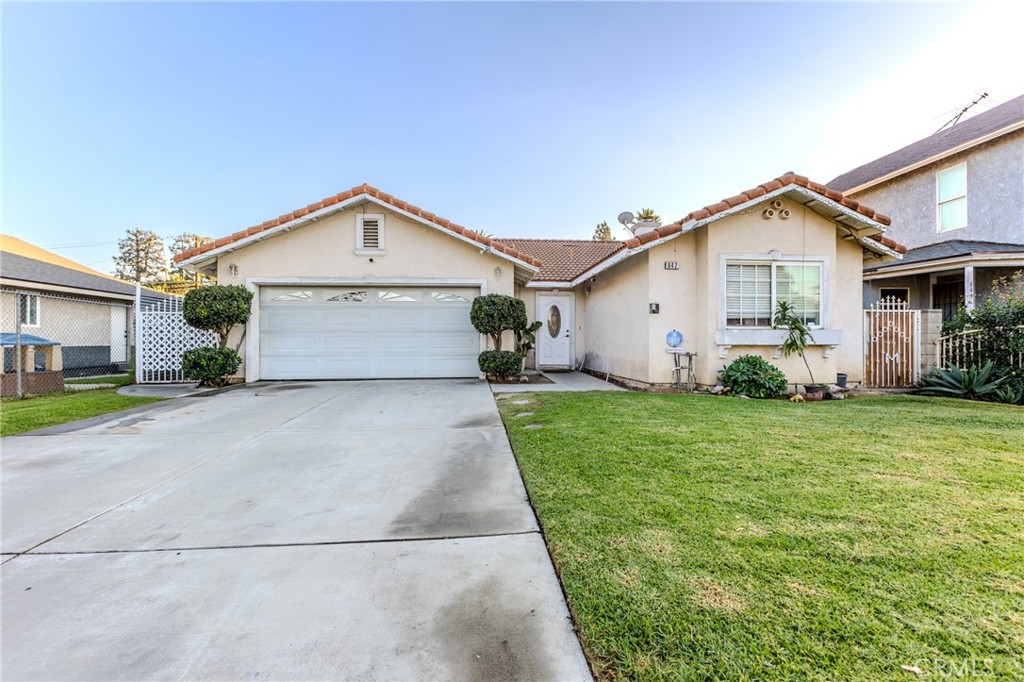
(748, 295)
(751, 290)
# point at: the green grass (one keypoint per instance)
(703, 538)
(116, 379)
(28, 414)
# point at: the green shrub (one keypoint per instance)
(210, 366)
(496, 313)
(500, 363)
(972, 383)
(217, 308)
(753, 376)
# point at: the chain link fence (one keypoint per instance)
(49, 337)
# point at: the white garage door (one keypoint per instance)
(366, 332)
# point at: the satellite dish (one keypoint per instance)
(626, 218)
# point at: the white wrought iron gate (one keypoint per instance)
(892, 345)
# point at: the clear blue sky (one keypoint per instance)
(519, 119)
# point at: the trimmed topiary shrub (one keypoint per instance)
(218, 308)
(500, 363)
(215, 308)
(210, 366)
(752, 375)
(494, 314)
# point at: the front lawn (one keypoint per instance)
(116, 379)
(28, 414)
(703, 538)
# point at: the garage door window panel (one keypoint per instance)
(347, 297)
(397, 297)
(446, 297)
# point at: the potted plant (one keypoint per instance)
(798, 337)
(525, 339)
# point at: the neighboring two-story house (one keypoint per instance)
(956, 199)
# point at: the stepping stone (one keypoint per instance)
(524, 414)
(521, 402)
(534, 426)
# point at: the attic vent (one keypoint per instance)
(370, 235)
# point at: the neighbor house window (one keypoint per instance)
(370, 233)
(751, 290)
(952, 197)
(28, 311)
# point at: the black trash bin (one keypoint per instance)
(841, 380)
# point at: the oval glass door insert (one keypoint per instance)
(554, 321)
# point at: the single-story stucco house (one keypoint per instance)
(364, 285)
(85, 311)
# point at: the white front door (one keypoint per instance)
(554, 338)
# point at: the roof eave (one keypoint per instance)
(1006, 259)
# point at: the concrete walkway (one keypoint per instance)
(166, 390)
(301, 531)
(561, 381)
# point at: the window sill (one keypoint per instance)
(370, 252)
(726, 338)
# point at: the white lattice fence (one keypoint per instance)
(161, 336)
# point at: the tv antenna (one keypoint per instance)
(953, 121)
(626, 218)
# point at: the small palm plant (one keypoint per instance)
(647, 215)
(798, 335)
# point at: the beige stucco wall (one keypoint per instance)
(325, 250)
(691, 300)
(676, 293)
(617, 332)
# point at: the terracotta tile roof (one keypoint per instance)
(964, 133)
(371, 191)
(784, 180)
(564, 259)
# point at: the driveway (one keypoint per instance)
(324, 530)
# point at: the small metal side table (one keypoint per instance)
(678, 355)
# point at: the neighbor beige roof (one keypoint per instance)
(564, 259)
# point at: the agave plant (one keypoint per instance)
(973, 383)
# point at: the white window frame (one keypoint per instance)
(823, 293)
(939, 202)
(361, 249)
(31, 302)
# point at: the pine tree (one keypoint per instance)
(182, 281)
(141, 257)
(602, 232)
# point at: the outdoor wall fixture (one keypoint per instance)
(497, 273)
(655, 308)
(233, 269)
